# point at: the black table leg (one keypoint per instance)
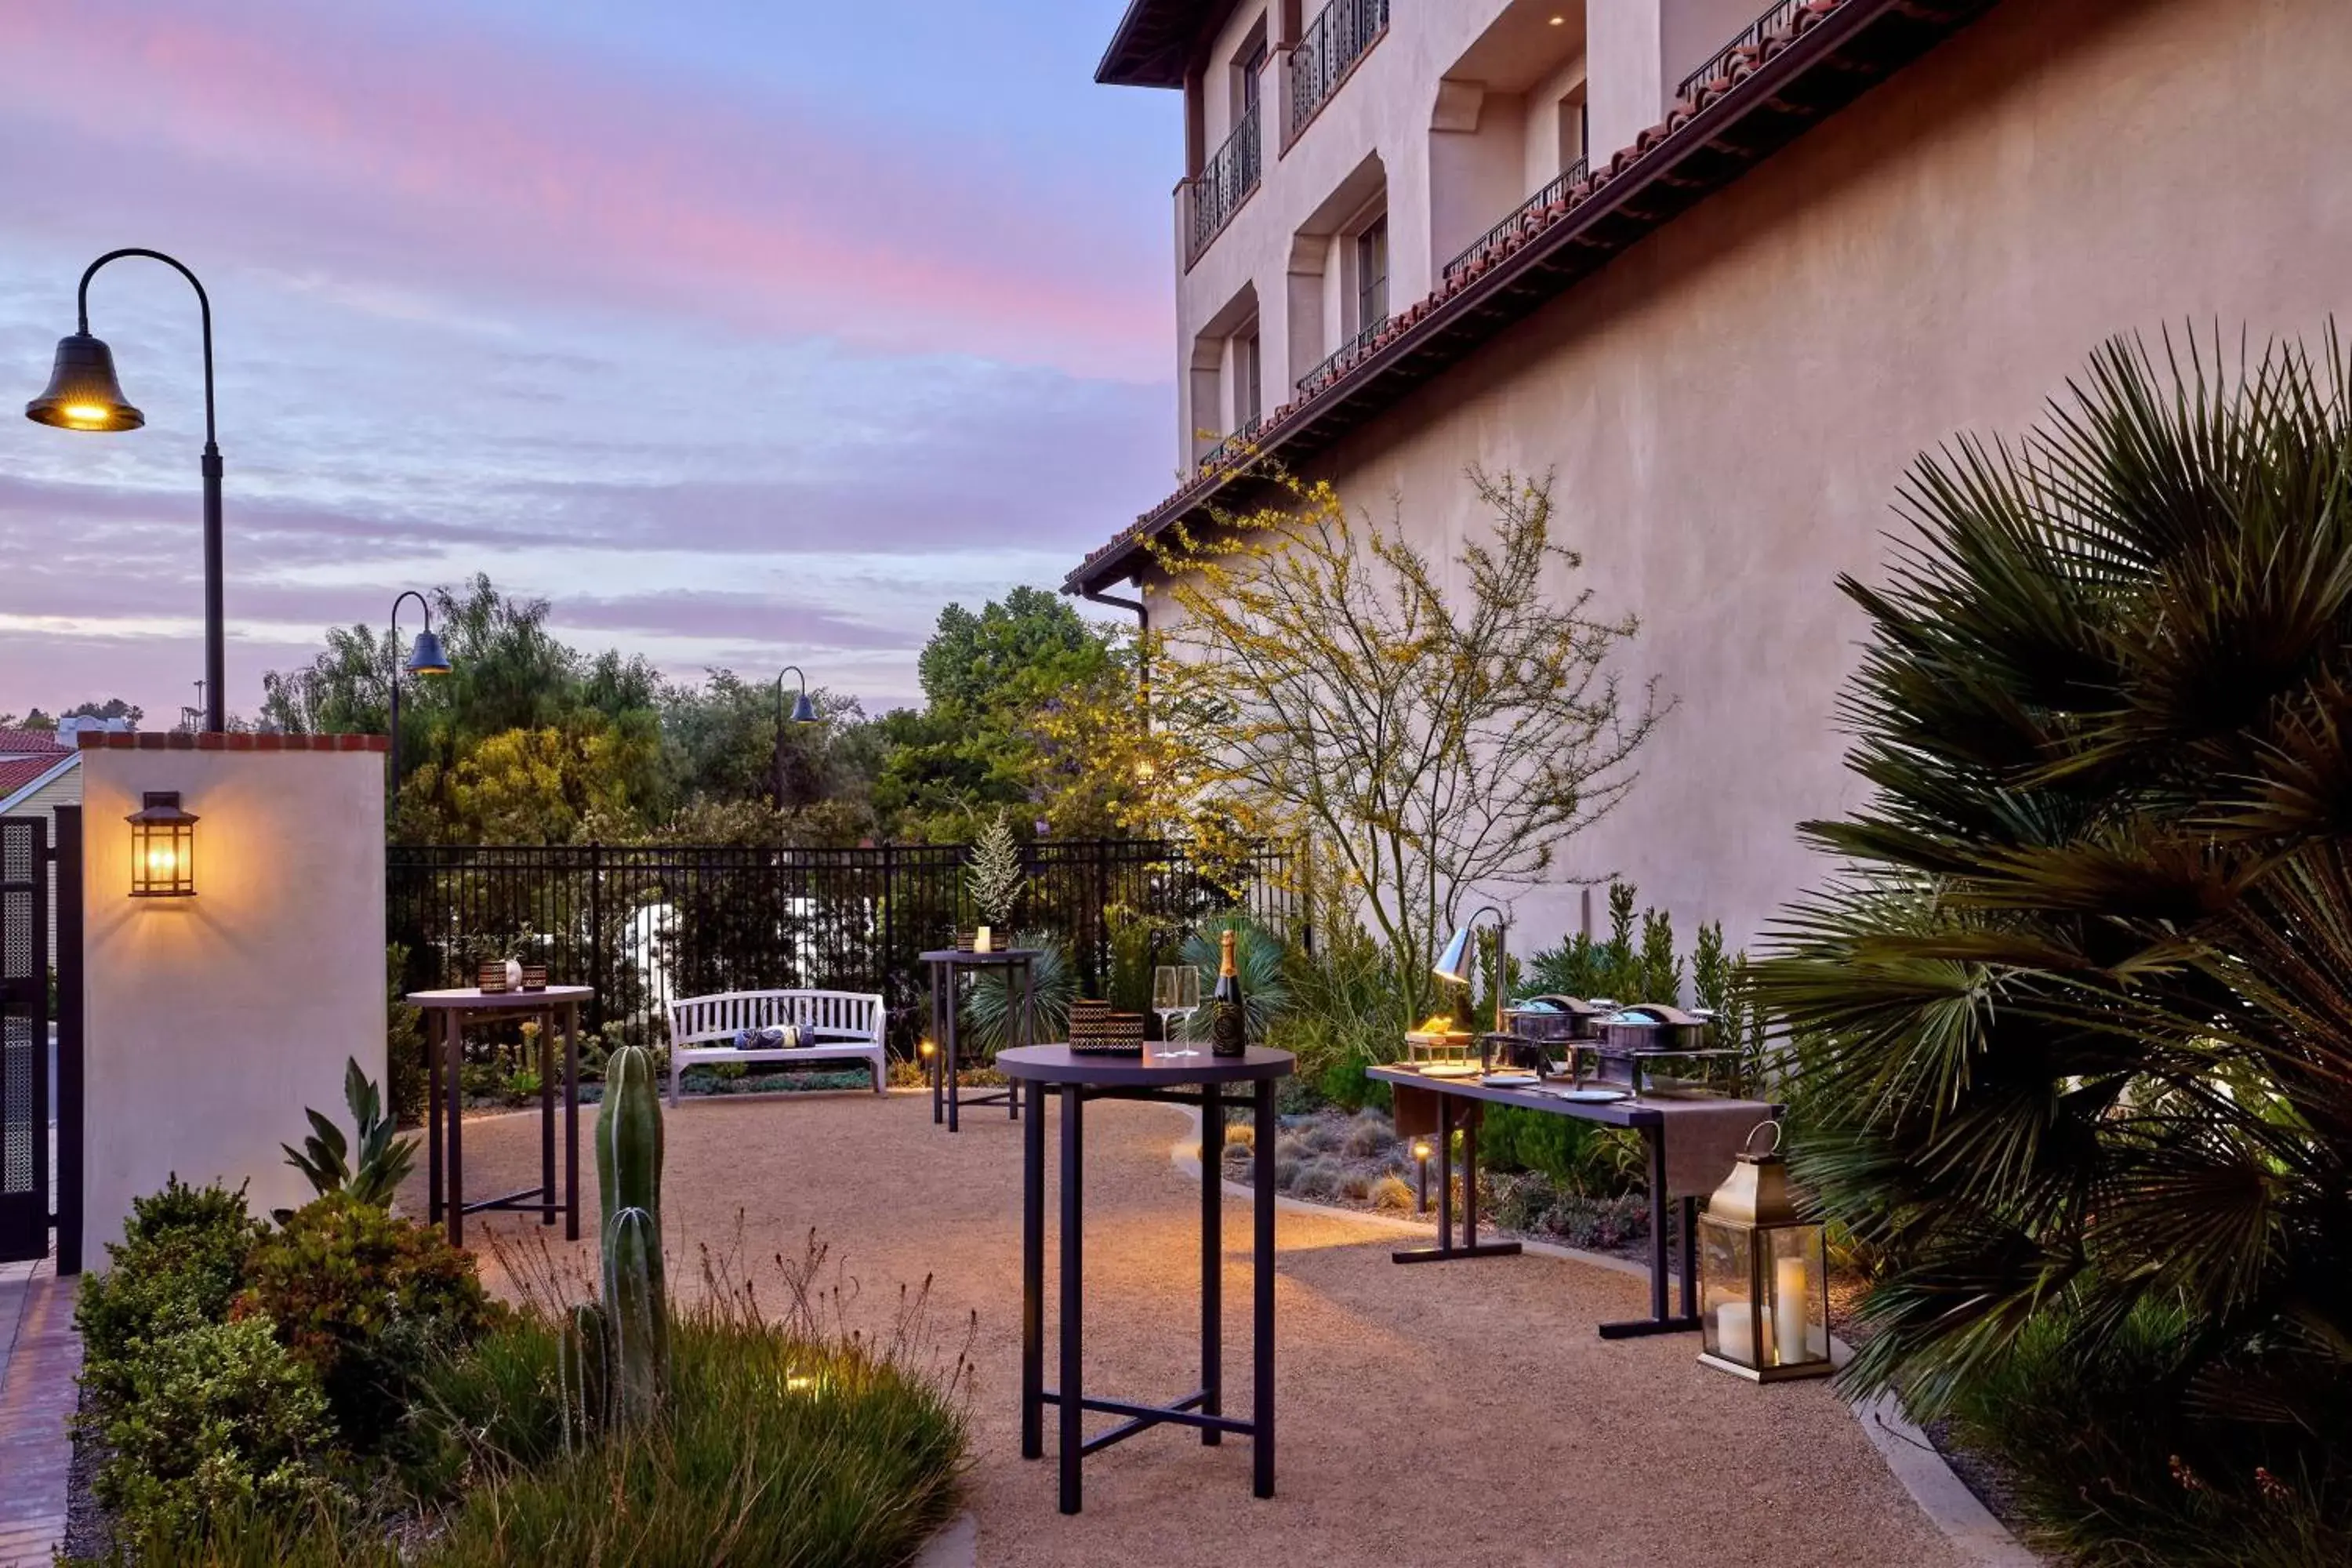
(1262, 1287)
(1033, 1275)
(1660, 1322)
(433, 1017)
(1028, 1036)
(572, 1122)
(453, 1037)
(1072, 1392)
(954, 1123)
(1470, 1247)
(1213, 1258)
(939, 1051)
(1687, 1224)
(547, 1117)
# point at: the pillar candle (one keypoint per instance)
(981, 941)
(1735, 1332)
(1790, 1289)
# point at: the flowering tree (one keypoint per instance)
(1320, 681)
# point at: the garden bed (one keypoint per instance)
(1355, 1160)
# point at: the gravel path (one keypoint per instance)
(1464, 1414)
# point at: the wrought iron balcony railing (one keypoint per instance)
(1223, 184)
(1339, 363)
(1752, 36)
(1233, 449)
(1488, 243)
(1328, 49)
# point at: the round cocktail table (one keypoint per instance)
(1195, 1079)
(446, 1013)
(1019, 967)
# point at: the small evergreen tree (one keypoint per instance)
(994, 874)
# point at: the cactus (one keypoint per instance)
(635, 1323)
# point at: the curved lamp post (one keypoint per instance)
(1455, 963)
(425, 658)
(84, 395)
(804, 713)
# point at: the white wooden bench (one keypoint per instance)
(834, 1024)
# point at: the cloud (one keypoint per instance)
(768, 621)
(386, 161)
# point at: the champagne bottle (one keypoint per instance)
(1228, 1026)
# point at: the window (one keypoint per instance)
(1245, 372)
(1249, 68)
(1575, 128)
(1373, 274)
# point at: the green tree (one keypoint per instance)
(978, 745)
(2074, 1042)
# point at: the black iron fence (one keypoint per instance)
(1328, 50)
(1527, 215)
(1224, 182)
(644, 924)
(1776, 17)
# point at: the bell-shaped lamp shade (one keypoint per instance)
(83, 394)
(426, 658)
(1454, 963)
(803, 710)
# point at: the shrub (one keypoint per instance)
(211, 1418)
(1393, 1192)
(180, 1262)
(2071, 1015)
(498, 1405)
(777, 1448)
(2102, 1461)
(1316, 1178)
(363, 1300)
(1582, 1156)
(1369, 1137)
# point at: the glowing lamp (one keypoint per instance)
(1422, 1150)
(163, 848)
(83, 394)
(1763, 1281)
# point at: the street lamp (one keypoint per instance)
(804, 713)
(84, 395)
(425, 658)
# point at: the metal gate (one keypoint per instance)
(24, 1037)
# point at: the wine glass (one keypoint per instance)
(1175, 993)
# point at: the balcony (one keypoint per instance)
(1526, 218)
(1340, 363)
(1341, 35)
(1776, 18)
(1241, 443)
(1217, 192)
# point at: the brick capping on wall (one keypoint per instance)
(218, 741)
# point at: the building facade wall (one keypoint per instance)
(1728, 410)
(212, 1022)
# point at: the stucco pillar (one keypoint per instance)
(213, 1021)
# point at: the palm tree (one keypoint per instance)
(2074, 1028)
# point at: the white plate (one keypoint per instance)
(1590, 1096)
(1508, 1079)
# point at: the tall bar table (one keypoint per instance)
(1196, 1079)
(447, 1014)
(1020, 1022)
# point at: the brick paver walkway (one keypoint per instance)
(38, 1359)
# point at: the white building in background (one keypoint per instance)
(1723, 270)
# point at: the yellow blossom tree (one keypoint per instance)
(1322, 680)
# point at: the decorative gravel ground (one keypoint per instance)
(1460, 1414)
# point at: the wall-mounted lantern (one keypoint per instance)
(1763, 1277)
(163, 848)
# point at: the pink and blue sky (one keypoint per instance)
(746, 331)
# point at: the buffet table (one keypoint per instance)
(1197, 1078)
(1439, 1106)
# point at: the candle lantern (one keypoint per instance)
(163, 848)
(1763, 1279)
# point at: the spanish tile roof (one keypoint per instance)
(1762, 97)
(25, 756)
(32, 742)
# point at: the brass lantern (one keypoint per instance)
(163, 848)
(1763, 1281)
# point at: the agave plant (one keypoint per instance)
(2075, 1028)
(384, 1158)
